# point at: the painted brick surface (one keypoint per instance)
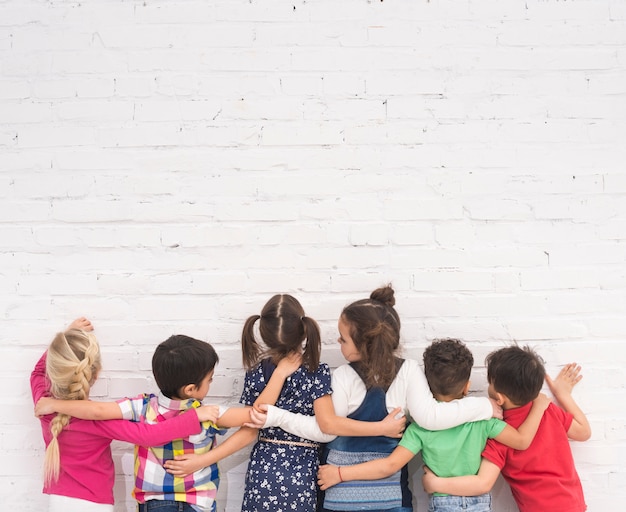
(168, 165)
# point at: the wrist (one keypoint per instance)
(339, 472)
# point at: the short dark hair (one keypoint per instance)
(448, 366)
(181, 360)
(516, 372)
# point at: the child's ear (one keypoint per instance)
(466, 388)
(186, 391)
(500, 398)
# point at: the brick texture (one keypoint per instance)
(168, 165)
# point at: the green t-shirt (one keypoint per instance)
(455, 451)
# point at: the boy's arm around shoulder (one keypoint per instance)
(561, 388)
(522, 437)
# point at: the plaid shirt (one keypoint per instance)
(152, 482)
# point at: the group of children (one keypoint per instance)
(298, 415)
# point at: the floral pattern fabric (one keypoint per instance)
(282, 477)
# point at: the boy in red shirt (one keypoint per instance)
(543, 477)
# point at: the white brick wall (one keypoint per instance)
(166, 166)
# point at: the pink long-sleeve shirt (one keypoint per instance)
(87, 470)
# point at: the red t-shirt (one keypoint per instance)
(543, 477)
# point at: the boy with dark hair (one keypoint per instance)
(451, 452)
(543, 477)
(183, 368)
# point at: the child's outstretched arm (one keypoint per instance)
(561, 388)
(329, 475)
(470, 485)
(433, 415)
(88, 410)
(83, 409)
(309, 428)
(184, 465)
(522, 437)
(393, 425)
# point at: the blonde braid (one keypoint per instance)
(72, 365)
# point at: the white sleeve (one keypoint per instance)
(433, 415)
(342, 381)
(297, 424)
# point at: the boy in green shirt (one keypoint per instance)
(452, 452)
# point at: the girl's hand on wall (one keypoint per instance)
(82, 324)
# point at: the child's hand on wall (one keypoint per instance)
(565, 381)
(82, 324)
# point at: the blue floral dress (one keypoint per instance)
(281, 476)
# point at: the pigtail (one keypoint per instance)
(250, 349)
(72, 365)
(312, 349)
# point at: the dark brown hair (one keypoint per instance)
(516, 372)
(448, 366)
(375, 329)
(283, 327)
(181, 360)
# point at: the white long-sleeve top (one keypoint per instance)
(409, 390)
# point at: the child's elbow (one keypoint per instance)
(483, 487)
(586, 434)
(326, 425)
(580, 433)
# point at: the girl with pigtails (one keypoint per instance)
(282, 470)
(375, 381)
(78, 469)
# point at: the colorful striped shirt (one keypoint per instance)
(152, 482)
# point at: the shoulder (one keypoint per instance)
(407, 373)
(495, 452)
(559, 415)
(345, 371)
(410, 365)
(322, 372)
(345, 376)
(413, 437)
(493, 427)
